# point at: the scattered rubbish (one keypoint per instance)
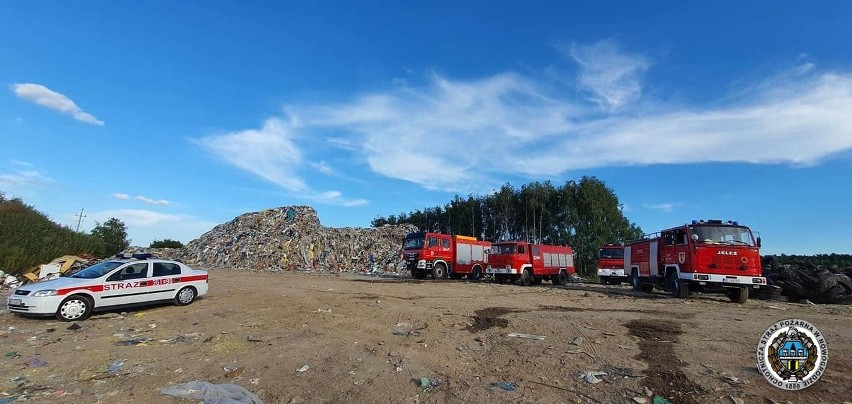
(234, 372)
(640, 400)
(776, 307)
(591, 376)
(152, 325)
(660, 400)
(508, 386)
(212, 393)
(323, 310)
(577, 341)
(526, 336)
(252, 338)
(133, 341)
(208, 339)
(647, 391)
(427, 383)
(36, 362)
(254, 381)
(229, 368)
(115, 367)
(74, 327)
(731, 378)
(51, 330)
(179, 370)
(736, 400)
(303, 369)
(12, 354)
(406, 329)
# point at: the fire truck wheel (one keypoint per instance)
(475, 274)
(678, 287)
(604, 280)
(634, 280)
(526, 278)
(738, 295)
(560, 279)
(439, 271)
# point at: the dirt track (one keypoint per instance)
(369, 339)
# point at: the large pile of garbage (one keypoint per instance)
(292, 238)
(809, 282)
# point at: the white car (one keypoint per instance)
(109, 284)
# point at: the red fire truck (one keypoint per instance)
(444, 255)
(709, 256)
(611, 264)
(531, 263)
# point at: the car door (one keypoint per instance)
(127, 285)
(165, 280)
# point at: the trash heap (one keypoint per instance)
(292, 238)
(809, 282)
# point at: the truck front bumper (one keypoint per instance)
(732, 280)
(611, 272)
(501, 271)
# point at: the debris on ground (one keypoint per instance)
(805, 283)
(291, 238)
(591, 376)
(508, 386)
(303, 369)
(526, 336)
(115, 366)
(212, 393)
(427, 383)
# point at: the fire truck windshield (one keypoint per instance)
(411, 243)
(611, 253)
(736, 235)
(503, 249)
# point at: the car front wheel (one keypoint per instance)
(185, 296)
(74, 308)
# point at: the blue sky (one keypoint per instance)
(177, 116)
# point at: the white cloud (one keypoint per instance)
(272, 154)
(123, 197)
(25, 179)
(158, 202)
(667, 207)
(46, 97)
(611, 76)
(269, 153)
(21, 163)
(467, 136)
(144, 226)
(323, 167)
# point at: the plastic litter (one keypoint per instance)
(526, 336)
(212, 393)
(591, 376)
(427, 383)
(12, 354)
(303, 369)
(36, 362)
(508, 386)
(115, 367)
(660, 400)
(74, 327)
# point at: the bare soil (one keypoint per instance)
(367, 339)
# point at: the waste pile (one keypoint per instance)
(292, 238)
(809, 282)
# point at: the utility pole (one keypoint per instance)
(80, 217)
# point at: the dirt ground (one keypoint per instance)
(367, 340)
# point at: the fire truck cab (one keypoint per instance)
(611, 265)
(706, 256)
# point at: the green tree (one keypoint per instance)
(112, 235)
(167, 243)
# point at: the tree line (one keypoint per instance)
(825, 260)
(584, 214)
(29, 238)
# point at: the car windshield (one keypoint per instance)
(503, 248)
(611, 253)
(736, 235)
(98, 270)
(414, 242)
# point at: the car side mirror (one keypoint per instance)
(694, 237)
(758, 241)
